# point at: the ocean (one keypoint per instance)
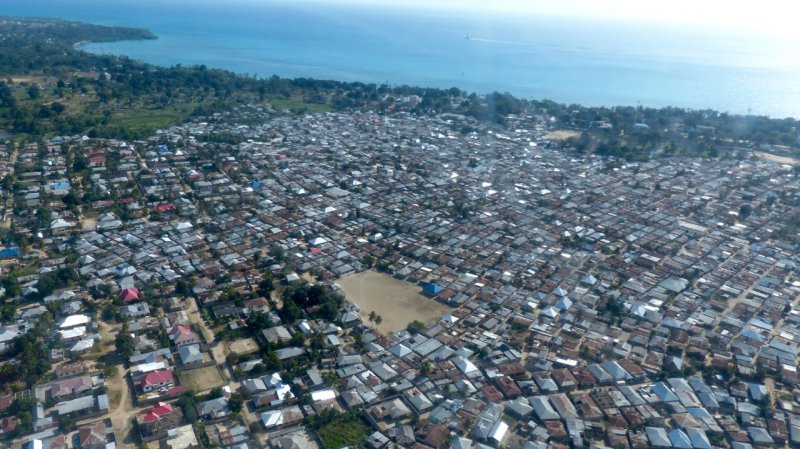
(574, 61)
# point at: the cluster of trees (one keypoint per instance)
(375, 318)
(316, 300)
(32, 358)
(58, 279)
(22, 409)
(337, 429)
(124, 342)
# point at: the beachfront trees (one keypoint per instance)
(378, 320)
(372, 316)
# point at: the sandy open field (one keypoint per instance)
(201, 379)
(777, 159)
(397, 302)
(562, 134)
(243, 346)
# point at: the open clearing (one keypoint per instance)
(201, 379)
(397, 302)
(346, 431)
(243, 346)
(777, 159)
(562, 134)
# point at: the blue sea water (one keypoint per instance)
(596, 63)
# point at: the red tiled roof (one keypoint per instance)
(158, 377)
(6, 401)
(164, 207)
(130, 294)
(8, 424)
(154, 414)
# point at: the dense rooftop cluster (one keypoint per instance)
(594, 302)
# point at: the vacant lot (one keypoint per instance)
(201, 379)
(562, 134)
(777, 159)
(397, 302)
(243, 346)
(345, 431)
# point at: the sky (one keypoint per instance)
(770, 16)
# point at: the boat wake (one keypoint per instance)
(495, 41)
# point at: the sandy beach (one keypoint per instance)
(397, 302)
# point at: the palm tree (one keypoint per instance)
(372, 316)
(378, 320)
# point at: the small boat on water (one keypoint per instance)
(467, 37)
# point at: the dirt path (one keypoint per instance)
(121, 407)
(195, 318)
(9, 202)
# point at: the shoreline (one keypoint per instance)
(375, 71)
(445, 86)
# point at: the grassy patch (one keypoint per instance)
(149, 120)
(201, 379)
(299, 106)
(345, 430)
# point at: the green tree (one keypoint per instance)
(235, 402)
(372, 316)
(188, 406)
(34, 92)
(124, 341)
(415, 327)
(425, 367)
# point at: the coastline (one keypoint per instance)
(595, 77)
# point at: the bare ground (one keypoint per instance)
(777, 159)
(203, 379)
(562, 134)
(243, 346)
(397, 302)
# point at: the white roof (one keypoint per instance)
(465, 365)
(273, 379)
(498, 431)
(74, 320)
(272, 418)
(284, 391)
(82, 345)
(147, 367)
(73, 333)
(323, 395)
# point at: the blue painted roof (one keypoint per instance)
(9, 252)
(664, 393)
(432, 288)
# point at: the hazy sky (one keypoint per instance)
(774, 16)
